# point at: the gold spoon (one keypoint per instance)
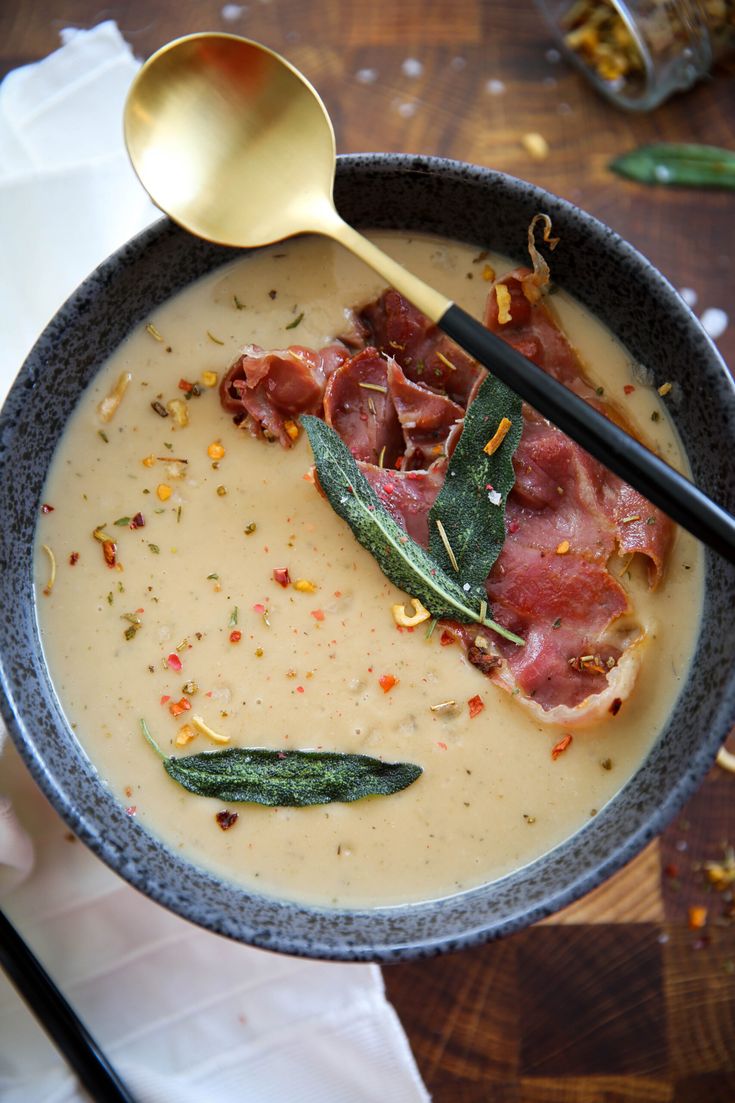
(236, 146)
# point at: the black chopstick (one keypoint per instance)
(58, 1018)
(684, 502)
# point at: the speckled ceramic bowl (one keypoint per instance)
(420, 194)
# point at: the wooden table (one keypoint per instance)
(616, 999)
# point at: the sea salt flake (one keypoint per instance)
(689, 295)
(366, 76)
(232, 12)
(412, 67)
(495, 87)
(406, 110)
(714, 322)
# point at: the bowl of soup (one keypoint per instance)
(188, 617)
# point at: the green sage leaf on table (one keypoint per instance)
(686, 165)
(408, 566)
(285, 779)
(471, 504)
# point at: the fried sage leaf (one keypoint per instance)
(467, 505)
(285, 779)
(687, 165)
(409, 566)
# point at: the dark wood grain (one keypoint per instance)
(616, 1000)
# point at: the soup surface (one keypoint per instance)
(189, 611)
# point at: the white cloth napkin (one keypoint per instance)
(186, 1016)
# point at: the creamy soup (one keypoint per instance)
(272, 666)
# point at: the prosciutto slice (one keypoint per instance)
(426, 355)
(399, 403)
(272, 387)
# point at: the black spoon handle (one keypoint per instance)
(602, 438)
(58, 1019)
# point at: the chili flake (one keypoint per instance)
(628, 388)
(216, 450)
(500, 434)
(446, 638)
(475, 705)
(697, 917)
(281, 576)
(73, 559)
(317, 614)
(560, 747)
(174, 662)
(226, 819)
(386, 682)
(177, 707)
(304, 586)
(46, 508)
(235, 636)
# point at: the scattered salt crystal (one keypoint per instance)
(232, 12)
(458, 63)
(412, 67)
(553, 56)
(494, 498)
(714, 322)
(495, 87)
(662, 173)
(465, 586)
(406, 110)
(563, 109)
(688, 295)
(366, 76)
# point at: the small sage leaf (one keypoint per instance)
(473, 520)
(687, 165)
(286, 779)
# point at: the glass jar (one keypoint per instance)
(638, 53)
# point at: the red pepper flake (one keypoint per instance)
(386, 682)
(226, 819)
(137, 522)
(317, 614)
(185, 385)
(281, 576)
(615, 706)
(475, 705)
(131, 810)
(109, 551)
(671, 870)
(446, 638)
(46, 508)
(399, 462)
(166, 697)
(177, 707)
(299, 689)
(513, 526)
(628, 388)
(235, 636)
(388, 488)
(442, 745)
(258, 608)
(73, 559)
(174, 661)
(560, 747)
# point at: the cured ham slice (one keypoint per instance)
(426, 355)
(637, 525)
(408, 495)
(272, 387)
(358, 406)
(399, 404)
(427, 418)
